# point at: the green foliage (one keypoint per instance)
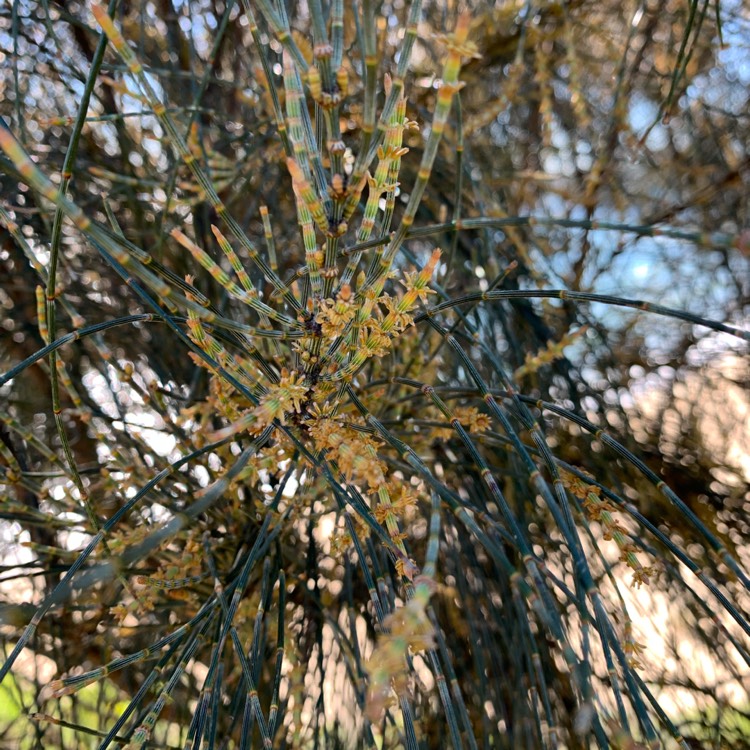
(322, 427)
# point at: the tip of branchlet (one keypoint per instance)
(387, 83)
(54, 689)
(463, 24)
(433, 261)
(99, 12)
(244, 423)
(218, 233)
(181, 237)
(294, 170)
(106, 23)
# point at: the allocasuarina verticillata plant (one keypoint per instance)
(361, 532)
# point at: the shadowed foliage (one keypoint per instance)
(374, 374)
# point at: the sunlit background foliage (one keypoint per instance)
(518, 522)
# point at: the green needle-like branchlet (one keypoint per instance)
(383, 465)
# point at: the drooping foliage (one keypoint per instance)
(374, 375)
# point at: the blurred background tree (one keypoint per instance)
(605, 148)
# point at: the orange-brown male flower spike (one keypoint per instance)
(458, 43)
(336, 314)
(287, 395)
(416, 283)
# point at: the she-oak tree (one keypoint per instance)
(374, 374)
